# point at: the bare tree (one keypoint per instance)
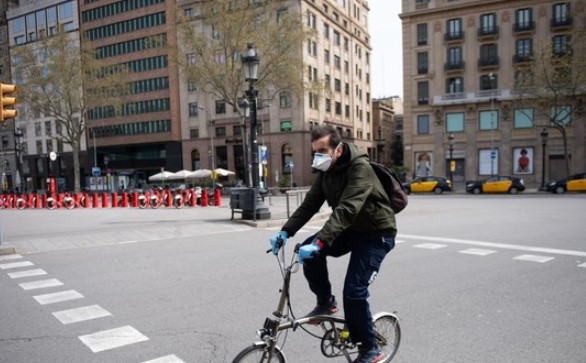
(60, 78)
(552, 84)
(210, 45)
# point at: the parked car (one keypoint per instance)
(573, 183)
(496, 184)
(428, 184)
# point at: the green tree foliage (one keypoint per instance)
(60, 79)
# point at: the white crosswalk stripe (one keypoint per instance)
(81, 314)
(27, 273)
(113, 338)
(400, 241)
(582, 265)
(533, 258)
(57, 297)
(41, 284)
(172, 358)
(477, 252)
(6, 266)
(430, 246)
(10, 257)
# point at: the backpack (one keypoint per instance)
(392, 186)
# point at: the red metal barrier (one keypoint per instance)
(114, 200)
(217, 197)
(204, 197)
(124, 199)
(104, 200)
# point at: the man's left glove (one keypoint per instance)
(309, 250)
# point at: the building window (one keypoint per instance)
(337, 85)
(523, 118)
(193, 109)
(194, 133)
(191, 86)
(455, 85)
(488, 24)
(220, 131)
(488, 55)
(487, 164)
(313, 101)
(423, 124)
(454, 58)
(454, 29)
(220, 106)
(284, 100)
(488, 120)
(422, 62)
(422, 34)
(338, 108)
(422, 93)
(561, 15)
(523, 20)
(337, 61)
(328, 105)
(326, 56)
(560, 115)
(337, 38)
(286, 126)
(488, 83)
(455, 122)
(560, 44)
(523, 50)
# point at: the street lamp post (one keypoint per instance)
(492, 96)
(251, 62)
(451, 142)
(544, 134)
(95, 150)
(18, 148)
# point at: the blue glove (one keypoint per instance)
(275, 241)
(309, 250)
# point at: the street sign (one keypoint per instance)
(96, 171)
(493, 154)
(453, 166)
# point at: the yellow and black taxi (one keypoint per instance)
(428, 184)
(573, 183)
(496, 184)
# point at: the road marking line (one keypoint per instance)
(81, 314)
(498, 245)
(533, 258)
(127, 242)
(172, 358)
(400, 241)
(10, 257)
(582, 265)
(41, 284)
(57, 297)
(430, 246)
(6, 266)
(477, 252)
(27, 273)
(113, 338)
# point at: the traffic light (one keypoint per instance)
(5, 102)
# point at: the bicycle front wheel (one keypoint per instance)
(258, 353)
(388, 333)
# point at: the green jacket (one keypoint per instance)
(358, 200)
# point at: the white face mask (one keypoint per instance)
(321, 162)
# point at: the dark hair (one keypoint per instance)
(323, 130)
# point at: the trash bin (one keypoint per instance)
(244, 201)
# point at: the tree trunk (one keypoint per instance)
(566, 154)
(76, 176)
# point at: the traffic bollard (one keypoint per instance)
(76, 198)
(38, 202)
(114, 200)
(192, 198)
(95, 203)
(86, 200)
(44, 200)
(135, 199)
(124, 199)
(104, 200)
(204, 197)
(217, 197)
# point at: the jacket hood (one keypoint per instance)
(350, 154)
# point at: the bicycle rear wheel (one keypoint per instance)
(258, 353)
(388, 334)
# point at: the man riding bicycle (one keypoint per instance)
(362, 223)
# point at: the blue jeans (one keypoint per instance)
(367, 254)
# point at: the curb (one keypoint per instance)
(7, 250)
(278, 222)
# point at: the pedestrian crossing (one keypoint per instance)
(96, 342)
(438, 243)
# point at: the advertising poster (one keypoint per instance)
(488, 163)
(423, 164)
(523, 160)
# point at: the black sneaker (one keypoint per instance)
(374, 355)
(328, 308)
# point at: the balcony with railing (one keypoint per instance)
(488, 62)
(454, 65)
(454, 36)
(488, 31)
(522, 58)
(459, 98)
(524, 26)
(561, 22)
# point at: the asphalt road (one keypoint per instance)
(473, 279)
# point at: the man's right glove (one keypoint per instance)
(309, 250)
(282, 235)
